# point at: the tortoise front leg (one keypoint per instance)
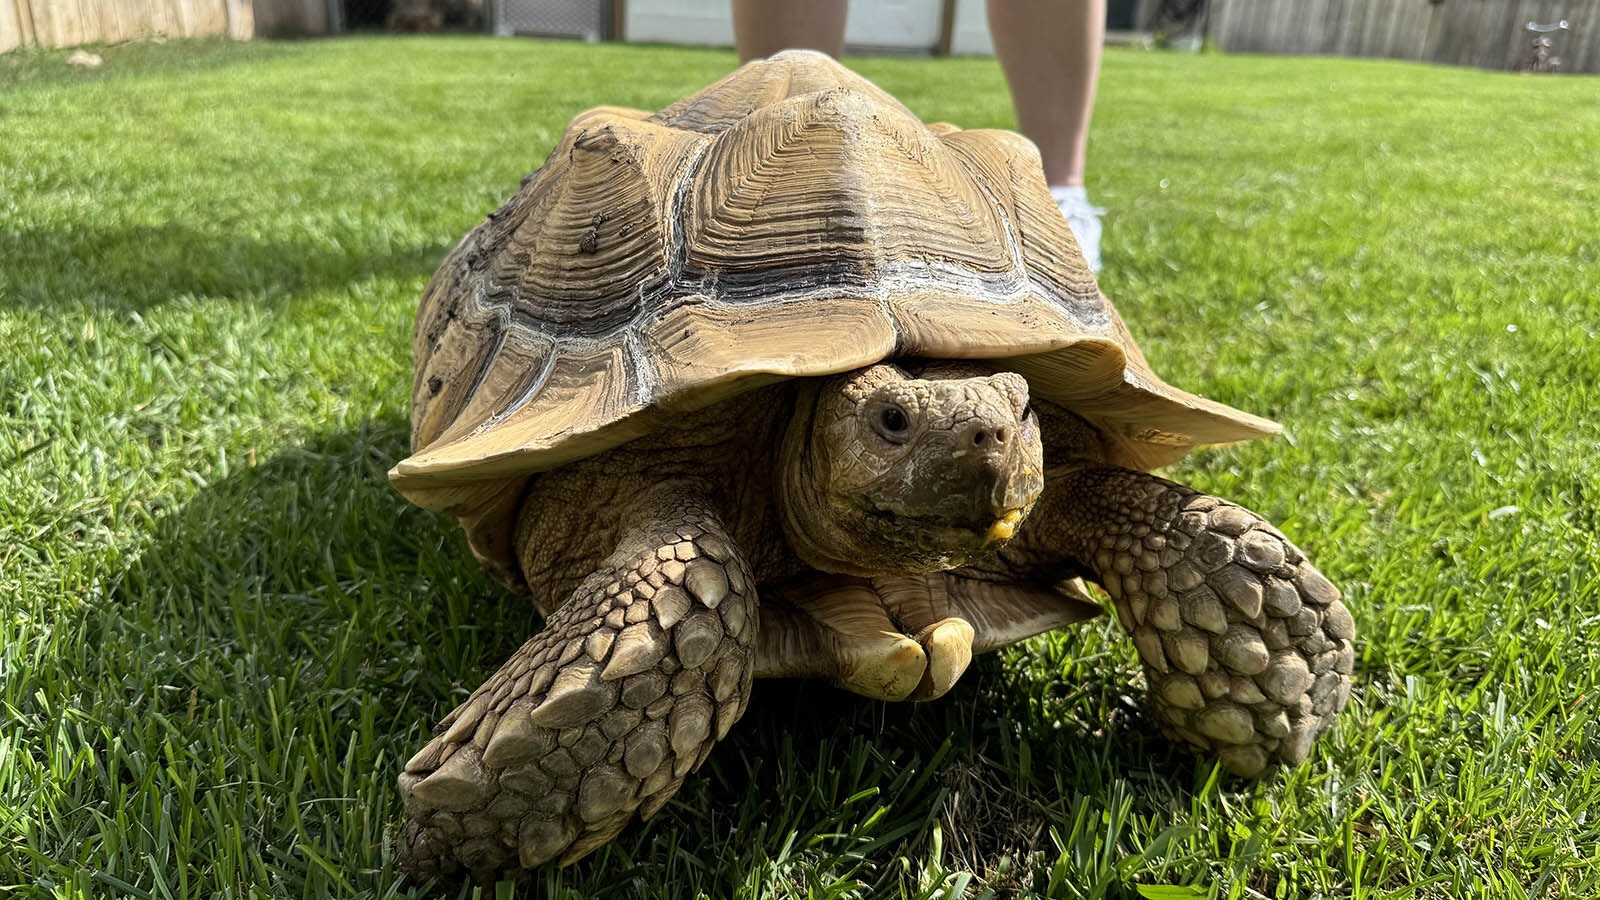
(602, 713)
(955, 616)
(901, 637)
(836, 627)
(1246, 645)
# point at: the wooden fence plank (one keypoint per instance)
(44, 26)
(179, 11)
(10, 26)
(1248, 21)
(207, 16)
(1478, 27)
(1355, 21)
(1409, 38)
(1222, 15)
(241, 19)
(1583, 44)
(1391, 43)
(1307, 36)
(116, 22)
(1485, 33)
(1244, 22)
(1489, 29)
(1332, 24)
(123, 20)
(67, 23)
(1235, 24)
(1269, 27)
(76, 23)
(1251, 23)
(1266, 27)
(95, 18)
(62, 19)
(1515, 48)
(1272, 29)
(1374, 25)
(1464, 21)
(190, 15)
(1394, 44)
(27, 30)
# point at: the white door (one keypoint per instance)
(679, 22)
(969, 35)
(894, 24)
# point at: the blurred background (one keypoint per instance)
(1542, 35)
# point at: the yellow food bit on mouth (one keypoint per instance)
(1004, 527)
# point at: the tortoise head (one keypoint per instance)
(890, 471)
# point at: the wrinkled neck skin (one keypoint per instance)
(802, 496)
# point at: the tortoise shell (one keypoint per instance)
(790, 220)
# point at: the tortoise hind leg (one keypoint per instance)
(601, 714)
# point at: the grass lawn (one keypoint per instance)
(223, 633)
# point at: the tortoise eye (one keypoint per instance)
(893, 422)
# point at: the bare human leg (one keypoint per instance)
(1050, 52)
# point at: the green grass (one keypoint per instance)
(222, 632)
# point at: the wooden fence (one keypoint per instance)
(1484, 33)
(66, 23)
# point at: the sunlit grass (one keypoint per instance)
(222, 632)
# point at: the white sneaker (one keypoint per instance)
(1084, 220)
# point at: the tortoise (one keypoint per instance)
(779, 381)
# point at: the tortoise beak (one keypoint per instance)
(1004, 527)
(1021, 491)
(1016, 488)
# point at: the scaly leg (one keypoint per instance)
(1246, 645)
(602, 713)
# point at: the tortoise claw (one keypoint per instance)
(948, 644)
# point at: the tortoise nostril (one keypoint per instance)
(983, 437)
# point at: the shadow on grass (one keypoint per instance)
(134, 268)
(310, 626)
